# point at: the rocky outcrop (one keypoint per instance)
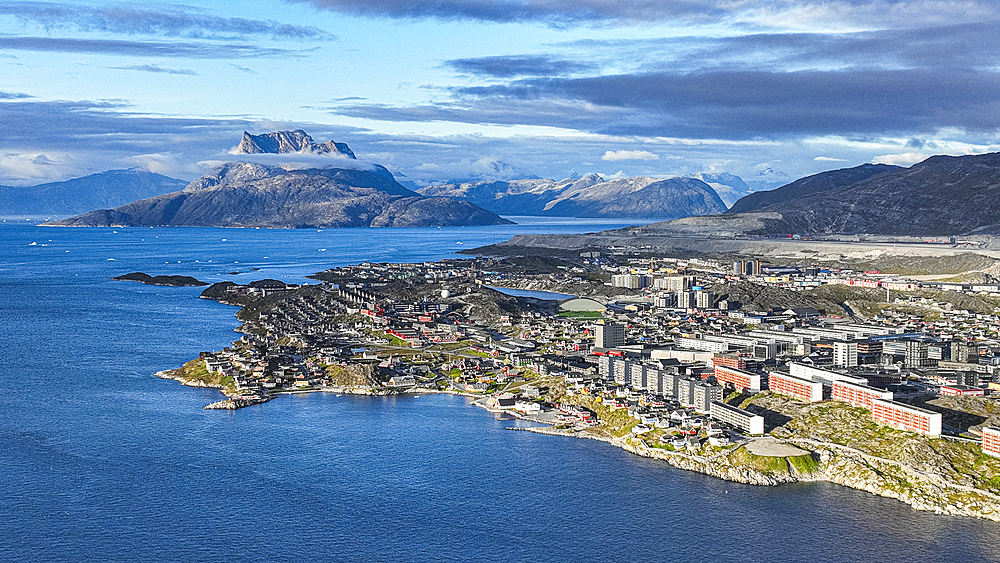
(836, 464)
(177, 375)
(590, 196)
(286, 142)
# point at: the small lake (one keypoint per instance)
(543, 295)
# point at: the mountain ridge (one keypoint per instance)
(589, 196)
(942, 195)
(77, 195)
(820, 182)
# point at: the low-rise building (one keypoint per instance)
(957, 390)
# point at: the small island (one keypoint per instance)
(170, 281)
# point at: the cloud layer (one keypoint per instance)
(166, 22)
(769, 13)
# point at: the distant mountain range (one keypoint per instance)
(329, 191)
(942, 195)
(590, 196)
(324, 185)
(106, 189)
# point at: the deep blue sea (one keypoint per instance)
(100, 461)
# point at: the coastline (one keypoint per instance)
(838, 464)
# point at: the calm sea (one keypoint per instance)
(100, 461)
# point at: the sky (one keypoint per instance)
(441, 90)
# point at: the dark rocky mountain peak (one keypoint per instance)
(284, 142)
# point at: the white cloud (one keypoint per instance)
(166, 163)
(34, 167)
(629, 155)
(828, 159)
(902, 159)
(294, 161)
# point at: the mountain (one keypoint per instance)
(943, 195)
(287, 142)
(341, 193)
(804, 187)
(590, 196)
(729, 186)
(105, 189)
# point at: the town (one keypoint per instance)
(675, 356)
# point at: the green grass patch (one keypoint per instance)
(581, 314)
(195, 370)
(804, 464)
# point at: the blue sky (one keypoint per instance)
(454, 89)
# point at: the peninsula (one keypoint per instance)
(747, 371)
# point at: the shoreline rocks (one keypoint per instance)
(837, 465)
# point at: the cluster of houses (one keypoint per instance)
(686, 352)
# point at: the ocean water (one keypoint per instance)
(100, 461)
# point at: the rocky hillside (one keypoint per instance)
(102, 190)
(590, 196)
(943, 195)
(248, 194)
(804, 187)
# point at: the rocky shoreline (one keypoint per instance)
(834, 463)
(172, 374)
(838, 464)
